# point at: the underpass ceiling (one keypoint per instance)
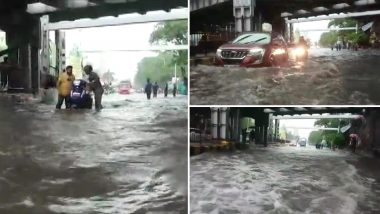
(76, 9)
(277, 111)
(300, 8)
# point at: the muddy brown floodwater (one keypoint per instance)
(327, 78)
(284, 180)
(129, 158)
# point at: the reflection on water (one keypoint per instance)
(128, 158)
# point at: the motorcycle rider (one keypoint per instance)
(94, 85)
(302, 43)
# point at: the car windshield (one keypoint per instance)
(253, 38)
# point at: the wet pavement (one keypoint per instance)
(327, 78)
(129, 158)
(284, 180)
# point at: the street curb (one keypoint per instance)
(199, 148)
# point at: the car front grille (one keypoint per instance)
(232, 54)
(232, 61)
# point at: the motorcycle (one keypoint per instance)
(80, 97)
(300, 53)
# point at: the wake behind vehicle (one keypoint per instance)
(79, 96)
(253, 49)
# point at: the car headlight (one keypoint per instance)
(257, 52)
(299, 51)
(219, 52)
(279, 51)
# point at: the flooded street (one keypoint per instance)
(284, 180)
(128, 158)
(328, 77)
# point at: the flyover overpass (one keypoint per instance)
(248, 15)
(27, 23)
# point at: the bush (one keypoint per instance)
(315, 137)
(339, 140)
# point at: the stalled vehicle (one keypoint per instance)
(253, 49)
(79, 96)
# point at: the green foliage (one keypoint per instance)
(75, 59)
(327, 123)
(360, 38)
(315, 137)
(161, 68)
(341, 23)
(156, 69)
(174, 32)
(329, 135)
(339, 140)
(331, 37)
(328, 38)
(247, 122)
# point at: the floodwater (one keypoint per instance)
(284, 180)
(129, 158)
(327, 78)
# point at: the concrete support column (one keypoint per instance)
(276, 129)
(265, 135)
(270, 129)
(60, 51)
(258, 19)
(286, 30)
(44, 44)
(222, 122)
(291, 33)
(26, 64)
(243, 11)
(238, 125)
(214, 123)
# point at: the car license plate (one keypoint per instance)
(231, 66)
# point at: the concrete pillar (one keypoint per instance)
(214, 123)
(270, 129)
(276, 129)
(222, 122)
(258, 19)
(265, 135)
(60, 51)
(238, 125)
(26, 64)
(44, 45)
(291, 33)
(244, 12)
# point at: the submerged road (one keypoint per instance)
(328, 77)
(129, 158)
(284, 180)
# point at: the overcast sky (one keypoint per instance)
(312, 35)
(123, 64)
(300, 124)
